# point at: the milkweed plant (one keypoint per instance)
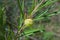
(29, 23)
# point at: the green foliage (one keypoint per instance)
(2, 31)
(43, 15)
(36, 12)
(21, 12)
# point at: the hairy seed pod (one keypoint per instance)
(28, 22)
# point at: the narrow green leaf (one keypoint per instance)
(22, 4)
(34, 3)
(39, 6)
(35, 9)
(40, 16)
(21, 13)
(1, 17)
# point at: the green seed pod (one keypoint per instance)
(28, 22)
